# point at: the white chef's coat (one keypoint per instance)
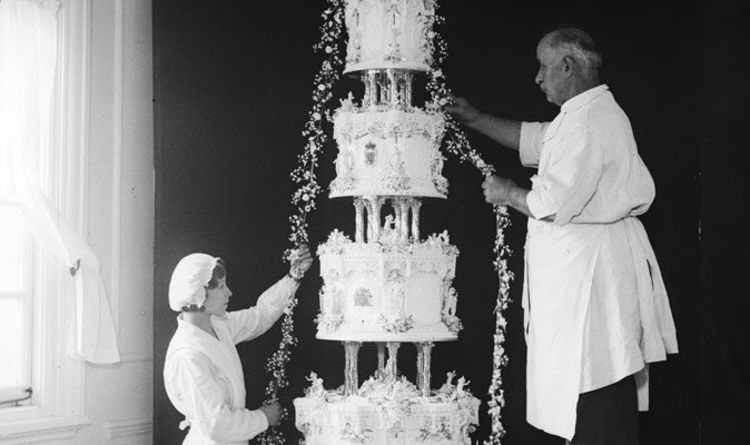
(203, 376)
(595, 306)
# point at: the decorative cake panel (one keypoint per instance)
(379, 292)
(388, 153)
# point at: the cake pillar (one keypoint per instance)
(396, 215)
(381, 357)
(407, 91)
(373, 218)
(351, 379)
(393, 85)
(371, 88)
(424, 361)
(415, 206)
(383, 92)
(391, 370)
(359, 207)
(403, 213)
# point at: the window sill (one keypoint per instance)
(42, 429)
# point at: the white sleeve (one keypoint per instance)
(249, 323)
(570, 180)
(196, 392)
(530, 143)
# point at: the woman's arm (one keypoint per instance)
(250, 323)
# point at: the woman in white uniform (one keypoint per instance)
(202, 372)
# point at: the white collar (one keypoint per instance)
(583, 98)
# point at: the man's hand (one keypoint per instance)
(505, 131)
(504, 192)
(272, 413)
(499, 191)
(464, 111)
(301, 261)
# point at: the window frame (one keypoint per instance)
(57, 407)
(25, 295)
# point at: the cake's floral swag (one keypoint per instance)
(457, 143)
(355, 434)
(453, 323)
(441, 433)
(308, 190)
(399, 325)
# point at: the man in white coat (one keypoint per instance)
(595, 307)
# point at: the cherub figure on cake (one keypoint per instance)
(389, 233)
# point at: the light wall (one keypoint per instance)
(119, 210)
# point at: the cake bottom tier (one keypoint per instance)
(386, 414)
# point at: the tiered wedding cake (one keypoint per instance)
(387, 285)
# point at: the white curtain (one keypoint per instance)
(28, 51)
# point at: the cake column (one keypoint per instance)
(393, 85)
(381, 357)
(415, 206)
(359, 208)
(374, 206)
(351, 378)
(371, 89)
(391, 370)
(403, 214)
(407, 91)
(396, 215)
(424, 361)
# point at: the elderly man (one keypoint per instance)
(596, 310)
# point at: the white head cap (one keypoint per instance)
(189, 280)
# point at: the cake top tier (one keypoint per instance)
(389, 34)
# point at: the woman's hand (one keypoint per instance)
(301, 261)
(272, 413)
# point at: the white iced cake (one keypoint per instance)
(388, 152)
(388, 291)
(387, 284)
(389, 34)
(388, 412)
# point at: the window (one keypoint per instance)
(15, 303)
(36, 293)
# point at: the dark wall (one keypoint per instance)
(232, 88)
(725, 245)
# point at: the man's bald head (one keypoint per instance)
(568, 64)
(576, 44)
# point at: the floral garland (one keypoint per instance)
(457, 143)
(304, 198)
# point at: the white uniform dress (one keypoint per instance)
(595, 306)
(203, 376)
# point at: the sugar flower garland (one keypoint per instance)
(308, 190)
(457, 143)
(304, 199)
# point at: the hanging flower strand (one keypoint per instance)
(457, 143)
(305, 197)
